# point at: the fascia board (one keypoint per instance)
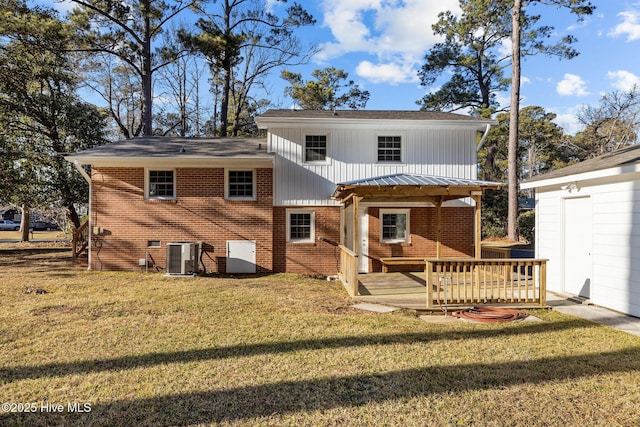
(194, 162)
(266, 123)
(585, 176)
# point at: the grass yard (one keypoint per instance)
(129, 349)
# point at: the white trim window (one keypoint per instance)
(240, 184)
(160, 184)
(389, 149)
(316, 149)
(394, 225)
(301, 225)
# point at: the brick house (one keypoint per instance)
(383, 183)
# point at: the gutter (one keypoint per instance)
(484, 137)
(90, 232)
(83, 173)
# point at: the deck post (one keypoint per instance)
(342, 225)
(477, 197)
(428, 268)
(356, 236)
(543, 283)
(439, 228)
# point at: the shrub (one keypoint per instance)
(526, 225)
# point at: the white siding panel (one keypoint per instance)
(616, 241)
(548, 237)
(353, 155)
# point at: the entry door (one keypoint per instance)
(363, 237)
(577, 246)
(241, 256)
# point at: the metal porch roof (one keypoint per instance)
(413, 179)
(415, 186)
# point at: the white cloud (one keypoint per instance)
(62, 6)
(630, 25)
(623, 80)
(506, 48)
(397, 32)
(569, 122)
(386, 73)
(571, 85)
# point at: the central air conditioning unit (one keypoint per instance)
(182, 258)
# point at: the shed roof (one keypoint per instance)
(625, 156)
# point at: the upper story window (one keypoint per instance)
(394, 226)
(161, 184)
(389, 149)
(315, 148)
(241, 184)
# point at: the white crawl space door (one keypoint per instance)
(577, 246)
(241, 256)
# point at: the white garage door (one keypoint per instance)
(577, 246)
(241, 256)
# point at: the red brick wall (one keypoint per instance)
(320, 257)
(200, 213)
(456, 237)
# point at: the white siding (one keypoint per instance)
(616, 240)
(549, 236)
(353, 155)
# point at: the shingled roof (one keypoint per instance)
(183, 147)
(370, 115)
(624, 156)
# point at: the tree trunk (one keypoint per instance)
(227, 62)
(73, 216)
(147, 84)
(24, 224)
(512, 231)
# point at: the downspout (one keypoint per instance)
(90, 232)
(484, 137)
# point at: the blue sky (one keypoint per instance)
(382, 45)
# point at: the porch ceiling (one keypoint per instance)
(412, 187)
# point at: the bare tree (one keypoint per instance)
(613, 124)
(126, 30)
(233, 33)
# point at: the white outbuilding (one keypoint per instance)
(588, 227)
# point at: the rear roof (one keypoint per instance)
(178, 147)
(370, 115)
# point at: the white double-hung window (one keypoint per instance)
(316, 149)
(300, 226)
(394, 226)
(160, 184)
(240, 184)
(389, 149)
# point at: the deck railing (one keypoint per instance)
(349, 269)
(469, 281)
(80, 239)
(492, 252)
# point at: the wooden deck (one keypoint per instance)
(408, 290)
(450, 282)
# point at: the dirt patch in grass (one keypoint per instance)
(285, 349)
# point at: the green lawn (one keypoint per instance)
(145, 349)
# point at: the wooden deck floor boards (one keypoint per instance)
(407, 290)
